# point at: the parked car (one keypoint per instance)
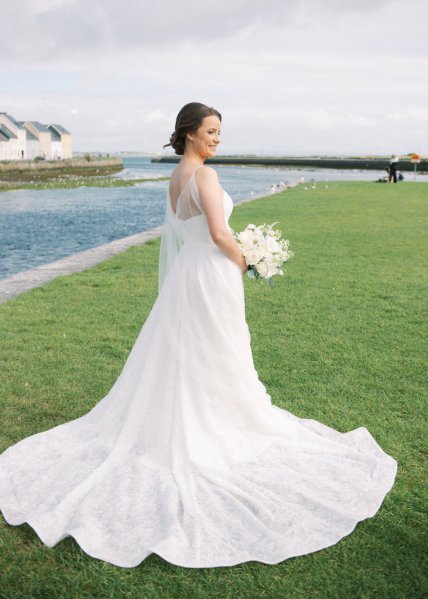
(39, 158)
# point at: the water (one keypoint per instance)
(37, 227)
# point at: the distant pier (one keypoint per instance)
(375, 163)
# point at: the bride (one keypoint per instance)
(186, 456)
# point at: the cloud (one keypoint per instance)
(50, 30)
(287, 76)
(413, 113)
(156, 115)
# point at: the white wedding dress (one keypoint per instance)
(186, 457)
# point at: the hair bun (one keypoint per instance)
(189, 119)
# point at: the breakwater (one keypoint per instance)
(24, 170)
(376, 163)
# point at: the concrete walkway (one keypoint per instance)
(35, 277)
(23, 281)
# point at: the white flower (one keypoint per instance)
(262, 269)
(253, 257)
(271, 270)
(261, 245)
(247, 238)
(272, 245)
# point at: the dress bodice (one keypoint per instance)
(186, 224)
(195, 228)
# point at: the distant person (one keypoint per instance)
(385, 178)
(393, 163)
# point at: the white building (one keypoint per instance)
(56, 145)
(14, 137)
(62, 137)
(7, 147)
(43, 135)
(21, 140)
(33, 146)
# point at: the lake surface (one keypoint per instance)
(38, 227)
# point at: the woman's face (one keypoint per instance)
(206, 139)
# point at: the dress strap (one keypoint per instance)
(200, 166)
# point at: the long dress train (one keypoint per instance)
(186, 456)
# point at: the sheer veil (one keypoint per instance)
(188, 206)
(170, 245)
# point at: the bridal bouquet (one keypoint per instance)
(264, 251)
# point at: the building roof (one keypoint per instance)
(6, 132)
(30, 136)
(59, 128)
(12, 120)
(38, 126)
(54, 134)
(52, 128)
(15, 122)
(3, 137)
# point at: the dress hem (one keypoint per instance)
(384, 489)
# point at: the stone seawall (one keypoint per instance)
(14, 166)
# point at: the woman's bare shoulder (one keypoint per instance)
(208, 183)
(207, 170)
(206, 174)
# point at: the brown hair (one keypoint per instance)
(188, 120)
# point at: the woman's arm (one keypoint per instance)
(211, 194)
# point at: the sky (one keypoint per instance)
(289, 77)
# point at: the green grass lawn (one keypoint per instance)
(339, 339)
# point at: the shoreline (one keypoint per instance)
(73, 182)
(40, 275)
(31, 174)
